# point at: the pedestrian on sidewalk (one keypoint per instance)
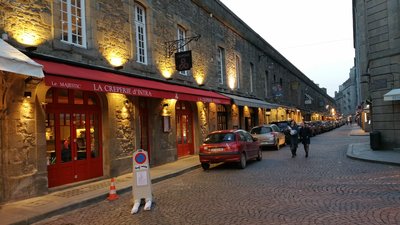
(294, 137)
(305, 136)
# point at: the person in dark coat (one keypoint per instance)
(294, 137)
(305, 135)
(66, 151)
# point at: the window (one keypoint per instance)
(73, 22)
(267, 130)
(251, 77)
(222, 118)
(261, 130)
(181, 39)
(181, 45)
(242, 137)
(248, 137)
(237, 64)
(141, 45)
(220, 137)
(221, 65)
(275, 129)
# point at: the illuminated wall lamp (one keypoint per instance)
(30, 40)
(165, 111)
(32, 80)
(167, 74)
(116, 62)
(27, 94)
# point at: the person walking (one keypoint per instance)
(305, 136)
(294, 137)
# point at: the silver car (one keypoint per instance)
(268, 135)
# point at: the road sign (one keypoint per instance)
(140, 158)
(183, 60)
(141, 185)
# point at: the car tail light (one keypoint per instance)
(203, 148)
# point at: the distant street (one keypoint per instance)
(325, 188)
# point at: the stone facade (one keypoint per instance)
(346, 98)
(110, 32)
(23, 164)
(377, 44)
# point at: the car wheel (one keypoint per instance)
(259, 157)
(205, 166)
(243, 161)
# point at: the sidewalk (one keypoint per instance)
(363, 151)
(35, 209)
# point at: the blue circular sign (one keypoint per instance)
(140, 158)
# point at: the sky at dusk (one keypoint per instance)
(316, 36)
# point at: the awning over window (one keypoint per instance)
(242, 101)
(392, 95)
(12, 60)
(69, 76)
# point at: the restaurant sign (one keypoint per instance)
(60, 82)
(88, 85)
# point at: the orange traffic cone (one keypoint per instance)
(113, 192)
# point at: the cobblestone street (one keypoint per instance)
(325, 188)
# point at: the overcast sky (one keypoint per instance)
(316, 36)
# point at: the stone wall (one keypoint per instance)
(163, 144)
(113, 35)
(27, 19)
(377, 57)
(122, 135)
(203, 112)
(22, 168)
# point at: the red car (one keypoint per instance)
(229, 146)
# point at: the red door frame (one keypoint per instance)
(75, 170)
(184, 149)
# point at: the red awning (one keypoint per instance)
(68, 76)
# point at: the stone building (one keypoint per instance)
(377, 45)
(346, 97)
(153, 75)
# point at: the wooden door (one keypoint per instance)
(73, 135)
(184, 129)
(144, 126)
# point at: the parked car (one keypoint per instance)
(229, 146)
(283, 126)
(269, 135)
(312, 126)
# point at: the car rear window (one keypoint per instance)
(219, 138)
(260, 130)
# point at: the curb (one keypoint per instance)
(350, 154)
